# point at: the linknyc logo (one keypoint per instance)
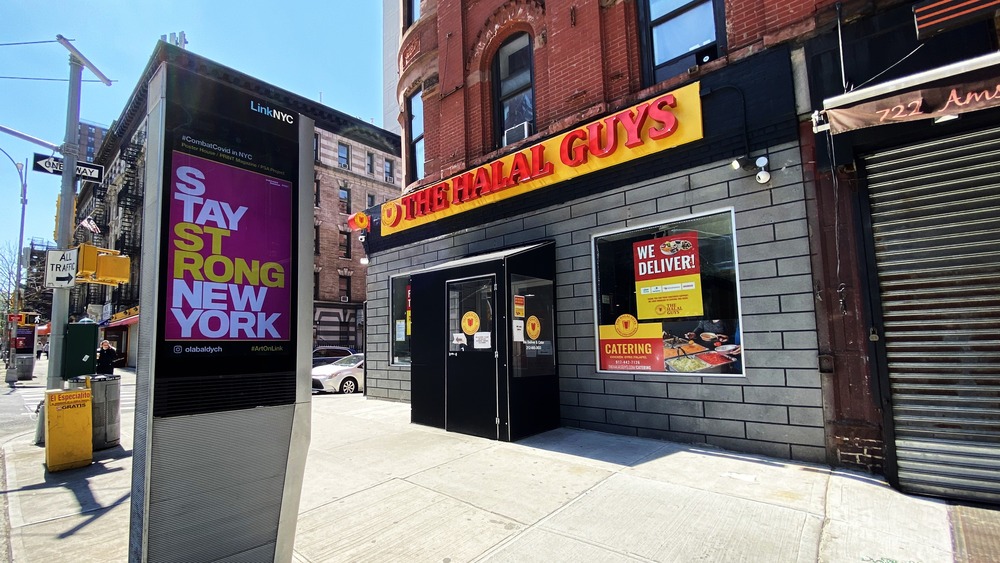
(276, 114)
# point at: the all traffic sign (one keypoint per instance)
(60, 268)
(54, 165)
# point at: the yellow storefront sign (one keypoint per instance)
(670, 120)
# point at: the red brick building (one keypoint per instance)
(619, 129)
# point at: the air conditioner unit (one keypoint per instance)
(390, 179)
(344, 165)
(516, 133)
(344, 299)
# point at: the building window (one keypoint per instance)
(415, 134)
(679, 34)
(316, 192)
(390, 172)
(411, 12)
(345, 288)
(345, 201)
(316, 240)
(673, 287)
(316, 286)
(514, 92)
(370, 163)
(344, 248)
(399, 306)
(343, 155)
(371, 201)
(316, 147)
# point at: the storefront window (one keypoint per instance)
(533, 327)
(668, 298)
(400, 311)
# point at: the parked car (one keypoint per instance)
(346, 375)
(323, 355)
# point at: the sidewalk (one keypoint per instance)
(378, 488)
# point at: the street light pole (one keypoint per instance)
(20, 237)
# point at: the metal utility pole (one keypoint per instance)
(64, 230)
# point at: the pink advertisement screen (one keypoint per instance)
(229, 252)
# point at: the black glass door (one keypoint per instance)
(471, 365)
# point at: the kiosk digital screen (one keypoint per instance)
(227, 270)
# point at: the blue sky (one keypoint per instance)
(325, 50)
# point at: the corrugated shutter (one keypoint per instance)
(936, 222)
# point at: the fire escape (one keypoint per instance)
(130, 207)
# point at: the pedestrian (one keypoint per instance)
(106, 358)
(45, 349)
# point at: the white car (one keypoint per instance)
(346, 375)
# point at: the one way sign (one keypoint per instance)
(54, 165)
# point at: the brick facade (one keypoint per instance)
(587, 63)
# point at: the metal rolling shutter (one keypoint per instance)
(936, 223)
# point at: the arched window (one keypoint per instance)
(513, 90)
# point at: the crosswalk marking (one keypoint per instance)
(35, 396)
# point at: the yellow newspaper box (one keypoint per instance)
(68, 429)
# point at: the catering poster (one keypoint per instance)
(668, 277)
(629, 345)
(229, 246)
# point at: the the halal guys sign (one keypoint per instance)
(667, 121)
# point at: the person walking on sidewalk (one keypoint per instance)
(106, 358)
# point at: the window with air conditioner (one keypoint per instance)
(343, 155)
(676, 35)
(514, 90)
(390, 172)
(345, 288)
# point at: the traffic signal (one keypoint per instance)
(86, 261)
(113, 269)
(103, 266)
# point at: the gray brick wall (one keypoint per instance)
(776, 409)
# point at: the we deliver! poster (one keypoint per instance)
(229, 252)
(668, 277)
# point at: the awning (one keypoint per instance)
(44, 329)
(944, 92)
(124, 322)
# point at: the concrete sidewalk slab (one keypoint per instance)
(660, 521)
(869, 521)
(512, 481)
(74, 515)
(399, 521)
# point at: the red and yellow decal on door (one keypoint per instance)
(470, 323)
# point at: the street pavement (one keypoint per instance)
(378, 488)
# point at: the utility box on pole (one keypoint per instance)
(79, 350)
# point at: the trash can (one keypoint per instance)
(78, 382)
(106, 393)
(107, 400)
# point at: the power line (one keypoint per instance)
(28, 43)
(44, 79)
